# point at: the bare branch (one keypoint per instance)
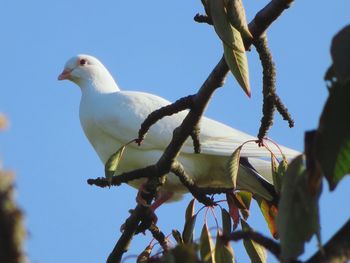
(126, 177)
(131, 225)
(195, 138)
(215, 80)
(179, 105)
(202, 19)
(271, 100)
(159, 236)
(180, 172)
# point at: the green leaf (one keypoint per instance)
(269, 212)
(342, 165)
(222, 25)
(188, 232)
(113, 162)
(234, 50)
(233, 209)
(298, 217)
(245, 198)
(190, 221)
(257, 253)
(333, 135)
(237, 17)
(238, 64)
(223, 251)
(233, 165)
(226, 222)
(279, 175)
(190, 210)
(206, 246)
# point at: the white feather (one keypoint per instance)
(110, 118)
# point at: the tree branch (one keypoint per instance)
(203, 19)
(159, 236)
(215, 80)
(131, 225)
(179, 105)
(337, 249)
(126, 177)
(180, 172)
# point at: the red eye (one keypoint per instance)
(82, 62)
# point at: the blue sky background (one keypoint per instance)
(152, 46)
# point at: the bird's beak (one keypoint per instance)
(65, 74)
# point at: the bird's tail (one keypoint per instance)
(250, 179)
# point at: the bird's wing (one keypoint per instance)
(219, 139)
(132, 108)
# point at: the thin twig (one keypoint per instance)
(202, 19)
(159, 236)
(179, 105)
(195, 138)
(215, 80)
(271, 100)
(269, 86)
(126, 177)
(180, 172)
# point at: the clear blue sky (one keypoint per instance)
(151, 46)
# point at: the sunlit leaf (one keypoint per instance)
(342, 166)
(298, 217)
(269, 212)
(187, 234)
(207, 246)
(233, 166)
(223, 251)
(238, 64)
(257, 253)
(190, 209)
(113, 162)
(246, 198)
(234, 50)
(237, 17)
(233, 209)
(279, 175)
(190, 221)
(226, 222)
(221, 23)
(333, 135)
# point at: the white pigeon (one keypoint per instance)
(110, 118)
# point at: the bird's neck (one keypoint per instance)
(99, 86)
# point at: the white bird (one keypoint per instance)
(110, 118)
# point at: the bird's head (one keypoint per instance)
(86, 70)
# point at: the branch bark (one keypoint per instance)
(337, 249)
(260, 23)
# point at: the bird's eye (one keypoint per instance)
(82, 62)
